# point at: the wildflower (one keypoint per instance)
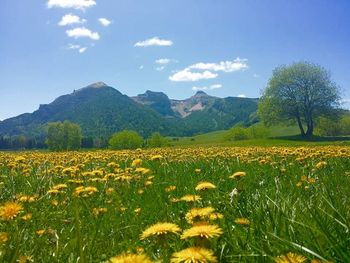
(242, 221)
(170, 188)
(41, 232)
(10, 210)
(194, 255)
(54, 202)
(215, 216)
(204, 186)
(109, 191)
(148, 183)
(238, 175)
(4, 237)
(198, 213)
(202, 230)
(27, 217)
(156, 157)
(321, 164)
(233, 193)
(290, 258)
(160, 229)
(99, 210)
(142, 170)
(25, 259)
(190, 198)
(136, 162)
(130, 258)
(197, 170)
(137, 210)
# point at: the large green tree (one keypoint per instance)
(299, 92)
(63, 136)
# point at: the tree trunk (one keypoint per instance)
(310, 128)
(302, 132)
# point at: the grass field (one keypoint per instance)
(223, 204)
(278, 136)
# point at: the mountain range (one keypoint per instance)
(101, 110)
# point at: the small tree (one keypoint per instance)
(63, 136)
(300, 92)
(157, 140)
(125, 140)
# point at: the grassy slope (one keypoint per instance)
(279, 136)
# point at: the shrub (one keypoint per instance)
(157, 140)
(125, 140)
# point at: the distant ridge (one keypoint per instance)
(102, 110)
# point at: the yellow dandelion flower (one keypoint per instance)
(53, 191)
(198, 213)
(194, 255)
(202, 230)
(109, 191)
(27, 217)
(25, 259)
(197, 170)
(321, 164)
(40, 232)
(137, 210)
(290, 258)
(4, 237)
(190, 198)
(205, 185)
(99, 210)
(160, 229)
(299, 184)
(156, 157)
(148, 183)
(140, 191)
(130, 258)
(10, 210)
(242, 221)
(54, 202)
(311, 180)
(238, 175)
(170, 188)
(215, 216)
(59, 186)
(136, 162)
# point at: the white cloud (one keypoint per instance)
(82, 32)
(241, 96)
(256, 76)
(160, 68)
(225, 66)
(104, 21)
(187, 75)
(215, 86)
(155, 41)
(71, 46)
(82, 50)
(141, 67)
(163, 61)
(206, 70)
(70, 19)
(76, 4)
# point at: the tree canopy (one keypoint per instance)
(299, 92)
(63, 136)
(125, 140)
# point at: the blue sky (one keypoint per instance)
(226, 47)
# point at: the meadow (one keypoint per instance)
(197, 204)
